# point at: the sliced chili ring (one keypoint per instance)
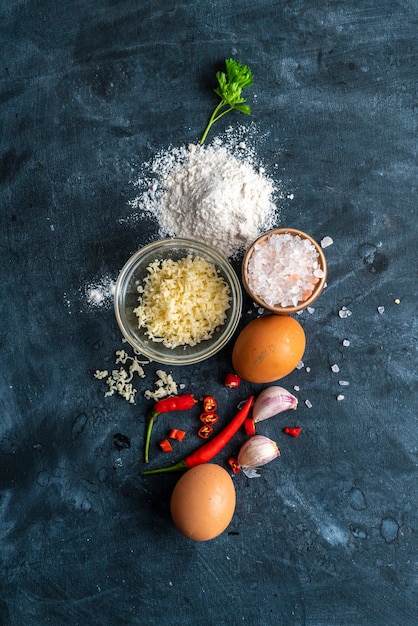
(175, 433)
(165, 445)
(209, 404)
(205, 431)
(234, 465)
(209, 418)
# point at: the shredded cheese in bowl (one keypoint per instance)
(182, 302)
(178, 301)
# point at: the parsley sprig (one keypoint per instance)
(230, 85)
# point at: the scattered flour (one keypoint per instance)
(101, 293)
(216, 194)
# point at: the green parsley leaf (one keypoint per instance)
(230, 86)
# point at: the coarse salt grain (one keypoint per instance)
(344, 312)
(343, 383)
(340, 397)
(335, 368)
(284, 270)
(308, 404)
(380, 309)
(346, 343)
(326, 241)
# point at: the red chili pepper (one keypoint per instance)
(209, 418)
(209, 404)
(234, 465)
(165, 446)
(175, 433)
(205, 431)
(174, 403)
(293, 432)
(232, 380)
(249, 426)
(210, 449)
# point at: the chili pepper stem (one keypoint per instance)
(181, 465)
(153, 417)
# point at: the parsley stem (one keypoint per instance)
(223, 113)
(212, 120)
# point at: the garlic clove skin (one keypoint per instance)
(272, 401)
(250, 472)
(257, 451)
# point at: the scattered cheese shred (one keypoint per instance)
(164, 386)
(182, 302)
(120, 380)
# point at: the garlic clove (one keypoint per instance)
(272, 401)
(258, 450)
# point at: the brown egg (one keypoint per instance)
(268, 348)
(203, 502)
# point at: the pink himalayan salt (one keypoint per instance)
(283, 270)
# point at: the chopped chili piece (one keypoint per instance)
(175, 433)
(205, 431)
(232, 380)
(209, 404)
(293, 432)
(249, 426)
(209, 418)
(234, 465)
(165, 446)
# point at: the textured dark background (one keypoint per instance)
(327, 536)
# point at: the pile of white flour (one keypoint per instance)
(213, 193)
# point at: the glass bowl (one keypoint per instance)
(287, 310)
(126, 300)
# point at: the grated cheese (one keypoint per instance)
(120, 380)
(182, 302)
(164, 386)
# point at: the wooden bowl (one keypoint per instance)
(288, 310)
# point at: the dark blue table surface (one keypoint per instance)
(327, 535)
